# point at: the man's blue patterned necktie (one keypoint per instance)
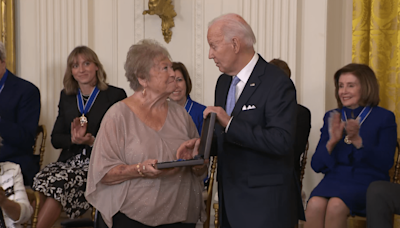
(231, 100)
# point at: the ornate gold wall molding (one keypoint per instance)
(198, 60)
(165, 10)
(7, 32)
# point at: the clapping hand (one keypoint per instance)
(353, 132)
(352, 128)
(335, 127)
(78, 133)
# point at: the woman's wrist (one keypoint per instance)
(357, 142)
(138, 169)
(92, 141)
(330, 145)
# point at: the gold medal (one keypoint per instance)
(347, 140)
(83, 120)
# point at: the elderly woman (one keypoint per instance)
(182, 97)
(83, 102)
(357, 146)
(137, 133)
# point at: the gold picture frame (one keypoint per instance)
(7, 23)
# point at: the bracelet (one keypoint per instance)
(138, 170)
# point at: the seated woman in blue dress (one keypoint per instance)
(357, 146)
(182, 97)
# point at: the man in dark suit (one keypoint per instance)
(19, 117)
(383, 201)
(256, 181)
(303, 123)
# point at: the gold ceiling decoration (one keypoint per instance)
(165, 10)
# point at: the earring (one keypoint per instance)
(144, 92)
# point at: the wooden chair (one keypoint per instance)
(41, 130)
(394, 173)
(303, 162)
(34, 199)
(33, 196)
(210, 191)
(216, 209)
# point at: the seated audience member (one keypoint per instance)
(383, 201)
(14, 202)
(83, 102)
(19, 118)
(357, 145)
(135, 134)
(303, 123)
(182, 97)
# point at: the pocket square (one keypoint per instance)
(249, 107)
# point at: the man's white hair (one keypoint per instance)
(235, 26)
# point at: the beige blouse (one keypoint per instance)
(125, 139)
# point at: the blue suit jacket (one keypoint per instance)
(19, 112)
(256, 180)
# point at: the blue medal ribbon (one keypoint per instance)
(3, 80)
(361, 118)
(85, 108)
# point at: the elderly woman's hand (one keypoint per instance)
(199, 170)
(147, 170)
(188, 149)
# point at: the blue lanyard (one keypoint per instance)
(189, 104)
(361, 117)
(86, 108)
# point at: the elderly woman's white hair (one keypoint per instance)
(141, 57)
(2, 52)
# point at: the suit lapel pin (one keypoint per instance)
(253, 84)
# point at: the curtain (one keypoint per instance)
(376, 42)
